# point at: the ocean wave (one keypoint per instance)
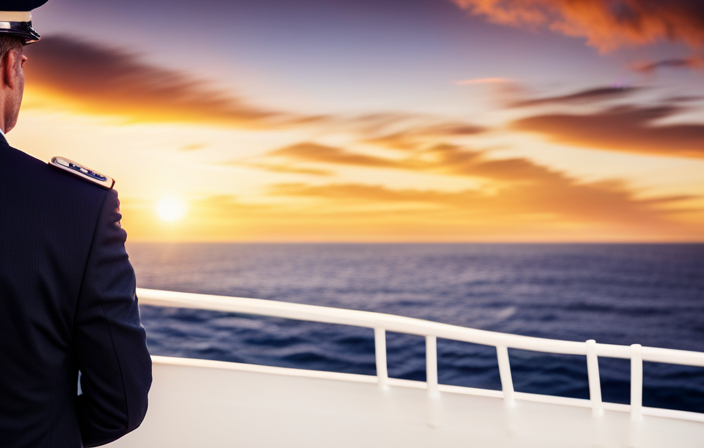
(620, 294)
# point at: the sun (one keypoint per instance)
(171, 208)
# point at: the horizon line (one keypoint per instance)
(415, 242)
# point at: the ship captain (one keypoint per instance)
(67, 289)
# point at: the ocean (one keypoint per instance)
(651, 294)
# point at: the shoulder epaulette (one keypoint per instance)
(83, 172)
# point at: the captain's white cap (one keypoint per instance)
(16, 19)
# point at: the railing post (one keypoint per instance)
(382, 374)
(431, 365)
(594, 381)
(636, 382)
(505, 373)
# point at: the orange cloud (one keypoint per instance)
(404, 130)
(439, 158)
(519, 190)
(468, 82)
(101, 80)
(626, 128)
(193, 147)
(456, 160)
(283, 168)
(313, 152)
(559, 203)
(415, 137)
(606, 24)
(95, 79)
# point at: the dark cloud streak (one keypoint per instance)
(108, 81)
(520, 187)
(439, 159)
(114, 82)
(682, 63)
(626, 128)
(313, 152)
(581, 97)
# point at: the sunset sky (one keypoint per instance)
(379, 120)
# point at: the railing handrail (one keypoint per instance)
(433, 330)
(408, 325)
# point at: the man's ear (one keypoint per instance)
(8, 69)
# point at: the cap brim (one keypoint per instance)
(23, 30)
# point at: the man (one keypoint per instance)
(67, 289)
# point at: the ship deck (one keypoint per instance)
(217, 404)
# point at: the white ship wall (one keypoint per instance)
(197, 403)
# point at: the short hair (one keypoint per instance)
(9, 43)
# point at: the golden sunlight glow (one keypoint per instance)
(195, 163)
(171, 208)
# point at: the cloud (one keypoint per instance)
(109, 81)
(437, 158)
(404, 130)
(282, 168)
(515, 190)
(446, 130)
(683, 99)
(581, 97)
(445, 159)
(193, 147)
(510, 187)
(468, 82)
(530, 203)
(555, 210)
(96, 79)
(415, 137)
(686, 63)
(456, 160)
(313, 152)
(560, 200)
(370, 194)
(606, 24)
(625, 128)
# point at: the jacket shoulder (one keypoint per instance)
(37, 182)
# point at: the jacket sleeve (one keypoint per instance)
(110, 340)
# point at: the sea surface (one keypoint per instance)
(619, 294)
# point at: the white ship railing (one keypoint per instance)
(433, 330)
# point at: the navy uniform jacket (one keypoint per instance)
(67, 303)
